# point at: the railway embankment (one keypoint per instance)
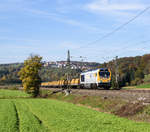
(131, 104)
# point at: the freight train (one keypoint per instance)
(99, 78)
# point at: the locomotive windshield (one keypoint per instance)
(104, 74)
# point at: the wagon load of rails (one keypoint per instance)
(99, 78)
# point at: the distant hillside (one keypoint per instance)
(8, 73)
(50, 72)
(131, 70)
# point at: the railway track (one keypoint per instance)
(122, 90)
(129, 95)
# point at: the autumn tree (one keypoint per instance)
(29, 74)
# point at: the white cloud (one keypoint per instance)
(27, 6)
(105, 5)
(118, 10)
(124, 9)
(60, 18)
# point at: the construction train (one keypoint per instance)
(99, 78)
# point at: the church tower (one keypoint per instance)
(68, 58)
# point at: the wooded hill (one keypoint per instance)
(131, 70)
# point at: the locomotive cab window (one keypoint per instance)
(82, 78)
(104, 74)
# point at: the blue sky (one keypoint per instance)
(51, 27)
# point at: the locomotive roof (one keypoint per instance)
(101, 69)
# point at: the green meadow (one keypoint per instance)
(143, 86)
(47, 115)
(9, 94)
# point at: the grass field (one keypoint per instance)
(41, 115)
(143, 86)
(12, 94)
(146, 82)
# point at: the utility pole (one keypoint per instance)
(68, 73)
(106, 61)
(68, 65)
(82, 60)
(116, 70)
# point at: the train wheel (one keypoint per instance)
(106, 88)
(95, 86)
(81, 86)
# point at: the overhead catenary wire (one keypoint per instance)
(115, 30)
(126, 47)
(106, 59)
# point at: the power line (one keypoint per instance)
(142, 42)
(117, 29)
(120, 49)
